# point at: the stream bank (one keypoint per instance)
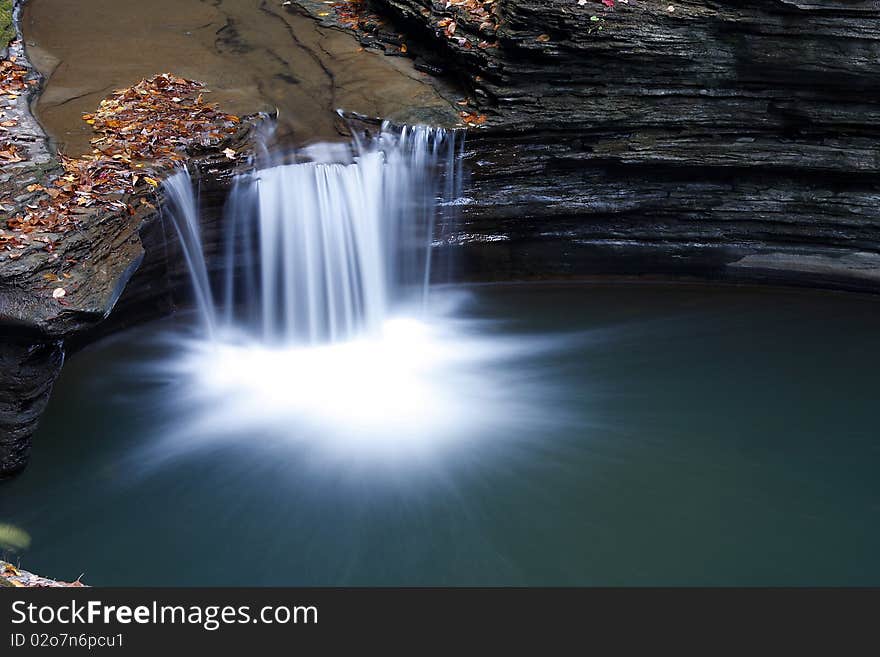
(10, 576)
(71, 238)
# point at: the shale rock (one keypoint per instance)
(658, 137)
(58, 288)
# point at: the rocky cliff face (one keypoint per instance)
(29, 365)
(59, 286)
(737, 139)
(135, 269)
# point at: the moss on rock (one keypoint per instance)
(7, 30)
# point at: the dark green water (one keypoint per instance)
(666, 436)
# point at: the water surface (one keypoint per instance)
(254, 55)
(557, 434)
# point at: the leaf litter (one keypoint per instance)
(142, 131)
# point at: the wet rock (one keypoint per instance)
(11, 576)
(129, 269)
(29, 365)
(692, 137)
(57, 289)
(425, 66)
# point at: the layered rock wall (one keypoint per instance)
(655, 137)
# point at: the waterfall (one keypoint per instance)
(319, 335)
(325, 246)
(182, 205)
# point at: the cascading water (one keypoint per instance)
(318, 332)
(320, 251)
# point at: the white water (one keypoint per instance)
(318, 331)
(322, 251)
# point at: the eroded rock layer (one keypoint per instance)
(661, 136)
